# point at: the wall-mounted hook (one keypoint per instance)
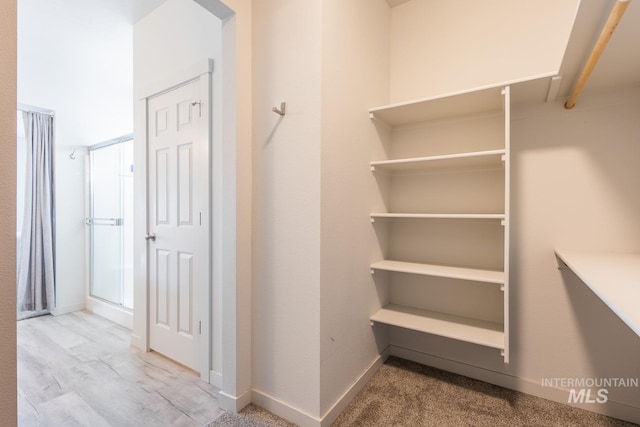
(282, 110)
(72, 156)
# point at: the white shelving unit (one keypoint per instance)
(450, 157)
(383, 215)
(489, 158)
(432, 322)
(462, 273)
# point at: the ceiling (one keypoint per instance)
(619, 65)
(394, 3)
(99, 13)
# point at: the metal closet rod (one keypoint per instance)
(612, 22)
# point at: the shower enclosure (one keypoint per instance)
(110, 221)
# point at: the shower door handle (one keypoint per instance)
(150, 236)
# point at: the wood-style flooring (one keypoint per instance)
(78, 369)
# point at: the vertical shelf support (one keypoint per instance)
(506, 93)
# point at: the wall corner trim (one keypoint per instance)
(334, 412)
(301, 418)
(138, 342)
(234, 403)
(284, 410)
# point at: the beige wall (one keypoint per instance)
(355, 77)
(286, 203)
(575, 186)
(8, 386)
(439, 47)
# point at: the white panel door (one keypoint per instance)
(178, 195)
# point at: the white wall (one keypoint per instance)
(70, 186)
(233, 126)
(8, 385)
(355, 77)
(438, 47)
(174, 37)
(286, 203)
(575, 186)
(84, 74)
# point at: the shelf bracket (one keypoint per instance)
(503, 158)
(561, 264)
(372, 271)
(373, 220)
(373, 168)
(502, 288)
(503, 222)
(371, 116)
(372, 323)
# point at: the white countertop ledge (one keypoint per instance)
(613, 277)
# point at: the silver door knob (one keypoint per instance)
(150, 236)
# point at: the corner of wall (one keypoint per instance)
(8, 77)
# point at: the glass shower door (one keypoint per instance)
(110, 222)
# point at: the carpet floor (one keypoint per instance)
(404, 393)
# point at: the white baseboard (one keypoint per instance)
(301, 418)
(116, 314)
(60, 310)
(284, 410)
(344, 400)
(610, 408)
(138, 342)
(232, 403)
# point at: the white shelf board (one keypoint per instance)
(475, 331)
(479, 159)
(458, 104)
(383, 215)
(462, 273)
(613, 277)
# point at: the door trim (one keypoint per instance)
(140, 336)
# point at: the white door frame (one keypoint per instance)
(140, 336)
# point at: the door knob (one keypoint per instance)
(150, 236)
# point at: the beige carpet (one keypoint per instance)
(404, 393)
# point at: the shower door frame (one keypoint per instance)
(113, 311)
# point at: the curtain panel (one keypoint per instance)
(36, 272)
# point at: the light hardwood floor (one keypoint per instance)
(78, 369)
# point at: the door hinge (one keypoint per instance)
(199, 104)
(200, 327)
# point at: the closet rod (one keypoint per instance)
(612, 22)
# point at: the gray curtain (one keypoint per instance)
(36, 257)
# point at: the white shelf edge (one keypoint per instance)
(383, 215)
(613, 277)
(512, 82)
(461, 273)
(457, 156)
(488, 334)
